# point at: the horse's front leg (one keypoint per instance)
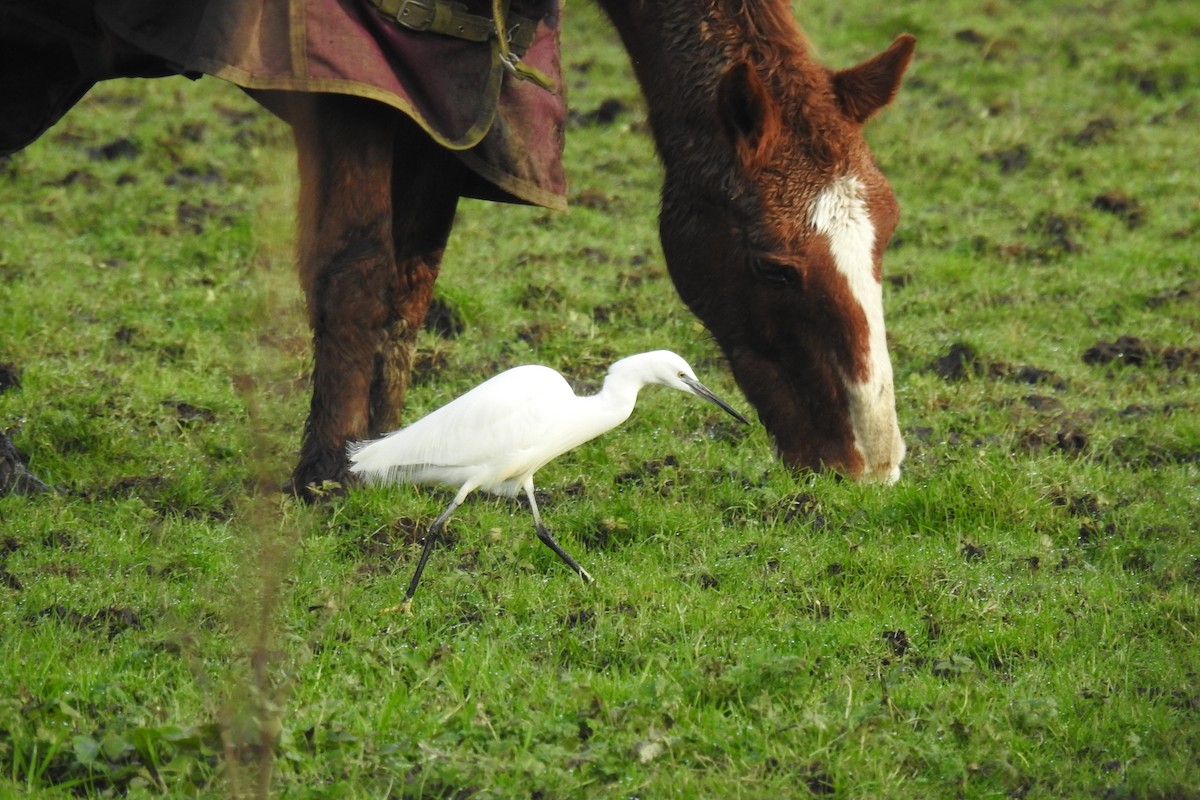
(377, 199)
(347, 268)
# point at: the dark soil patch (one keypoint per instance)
(78, 177)
(1044, 404)
(189, 415)
(1153, 83)
(1009, 159)
(1121, 205)
(402, 531)
(959, 363)
(1079, 505)
(126, 335)
(593, 199)
(1165, 410)
(427, 365)
(962, 361)
(10, 581)
(534, 333)
(649, 471)
(972, 552)
(10, 377)
(604, 535)
(191, 176)
(161, 494)
(1187, 291)
(1062, 435)
(118, 148)
(1132, 351)
(1053, 237)
(817, 779)
(112, 621)
(1136, 453)
(898, 641)
(443, 319)
(579, 618)
(192, 217)
(540, 296)
(1096, 131)
(604, 114)
(970, 36)
(803, 508)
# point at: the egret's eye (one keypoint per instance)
(774, 273)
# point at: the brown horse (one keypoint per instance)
(774, 220)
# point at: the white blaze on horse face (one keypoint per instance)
(840, 214)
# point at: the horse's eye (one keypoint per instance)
(774, 273)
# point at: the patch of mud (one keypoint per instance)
(161, 494)
(962, 361)
(443, 319)
(427, 365)
(1132, 351)
(1122, 206)
(1009, 159)
(594, 200)
(1044, 404)
(10, 377)
(1053, 237)
(605, 535)
(604, 114)
(116, 149)
(1183, 292)
(648, 471)
(112, 621)
(1135, 452)
(1096, 131)
(1062, 435)
(898, 641)
(801, 509)
(190, 415)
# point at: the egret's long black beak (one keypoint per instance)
(703, 391)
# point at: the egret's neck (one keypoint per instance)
(613, 404)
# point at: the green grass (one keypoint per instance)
(1018, 617)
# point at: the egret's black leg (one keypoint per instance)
(435, 533)
(549, 541)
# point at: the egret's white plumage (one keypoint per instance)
(496, 436)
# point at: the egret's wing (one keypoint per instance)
(484, 435)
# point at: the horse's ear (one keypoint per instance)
(863, 90)
(749, 113)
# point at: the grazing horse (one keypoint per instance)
(773, 223)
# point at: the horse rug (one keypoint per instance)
(510, 132)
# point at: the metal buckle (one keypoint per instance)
(415, 15)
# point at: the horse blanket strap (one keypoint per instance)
(453, 19)
(450, 18)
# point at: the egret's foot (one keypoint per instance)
(587, 578)
(404, 608)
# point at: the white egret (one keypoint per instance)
(497, 435)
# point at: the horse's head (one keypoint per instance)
(778, 249)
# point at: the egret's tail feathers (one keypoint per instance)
(370, 462)
(375, 463)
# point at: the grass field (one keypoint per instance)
(1017, 617)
